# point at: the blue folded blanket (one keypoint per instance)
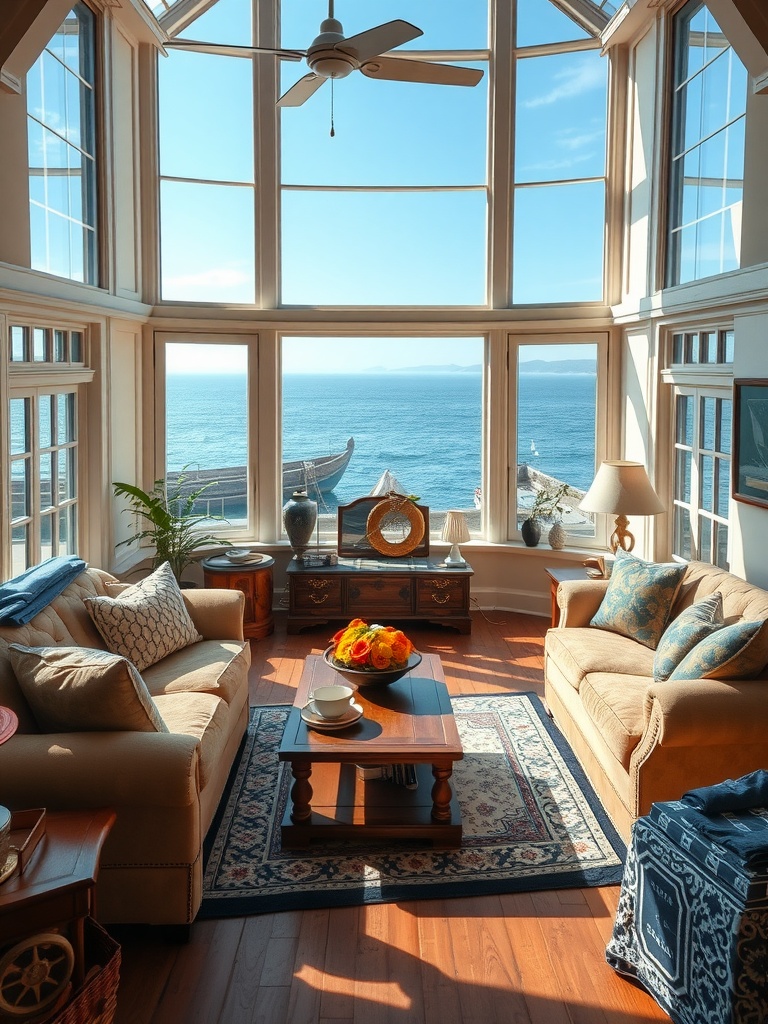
(745, 835)
(721, 813)
(732, 795)
(24, 596)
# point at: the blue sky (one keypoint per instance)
(395, 248)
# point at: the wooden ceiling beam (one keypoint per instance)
(745, 23)
(25, 30)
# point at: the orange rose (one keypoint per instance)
(360, 651)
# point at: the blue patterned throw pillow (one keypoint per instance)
(683, 633)
(733, 652)
(639, 598)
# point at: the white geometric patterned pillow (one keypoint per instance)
(147, 621)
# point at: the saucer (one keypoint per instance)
(311, 717)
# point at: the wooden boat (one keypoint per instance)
(319, 474)
(227, 487)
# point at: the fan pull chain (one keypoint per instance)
(333, 130)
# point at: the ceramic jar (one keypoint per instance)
(299, 519)
(557, 536)
(531, 532)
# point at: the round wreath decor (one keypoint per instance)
(377, 518)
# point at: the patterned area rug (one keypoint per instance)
(530, 820)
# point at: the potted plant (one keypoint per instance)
(546, 505)
(170, 522)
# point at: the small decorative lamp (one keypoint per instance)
(622, 489)
(455, 531)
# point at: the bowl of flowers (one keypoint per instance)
(371, 655)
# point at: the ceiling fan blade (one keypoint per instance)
(378, 40)
(395, 70)
(301, 91)
(222, 49)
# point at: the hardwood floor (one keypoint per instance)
(524, 958)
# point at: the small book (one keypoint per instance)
(399, 774)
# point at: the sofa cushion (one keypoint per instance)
(737, 651)
(204, 716)
(693, 624)
(213, 666)
(616, 704)
(147, 621)
(639, 598)
(80, 689)
(578, 652)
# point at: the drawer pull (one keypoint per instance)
(440, 584)
(441, 598)
(318, 598)
(319, 584)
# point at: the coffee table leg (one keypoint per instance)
(441, 792)
(301, 792)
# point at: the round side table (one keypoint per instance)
(254, 579)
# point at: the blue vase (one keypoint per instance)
(299, 520)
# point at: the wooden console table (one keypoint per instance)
(379, 589)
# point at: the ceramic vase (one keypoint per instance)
(299, 519)
(557, 536)
(531, 532)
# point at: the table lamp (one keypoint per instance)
(622, 489)
(455, 532)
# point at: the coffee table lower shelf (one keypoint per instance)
(347, 807)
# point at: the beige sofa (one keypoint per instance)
(165, 787)
(642, 741)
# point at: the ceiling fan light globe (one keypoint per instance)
(331, 67)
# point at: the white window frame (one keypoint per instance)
(515, 342)
(698, 380)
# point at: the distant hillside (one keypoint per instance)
(559, 366)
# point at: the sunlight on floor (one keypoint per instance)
(385, 993)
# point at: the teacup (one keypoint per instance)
(332, 701)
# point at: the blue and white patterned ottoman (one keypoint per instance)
(692, 922)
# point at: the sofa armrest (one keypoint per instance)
(217, 614)
(709, 712)
(99, 769)
(578, 601)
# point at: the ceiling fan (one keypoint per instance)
(332, 56)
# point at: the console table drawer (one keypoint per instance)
(316, 593)
(380, 595)
(439, 594)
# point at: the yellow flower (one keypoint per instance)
(375, 647)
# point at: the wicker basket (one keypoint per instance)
(96, 1001)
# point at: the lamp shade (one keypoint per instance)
(622, 488)
(455, 529)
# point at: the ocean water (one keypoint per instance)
(426, 428)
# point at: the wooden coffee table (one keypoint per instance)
(409, 722)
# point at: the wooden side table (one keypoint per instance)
(558, 576)
(254, 579)
(57, 887)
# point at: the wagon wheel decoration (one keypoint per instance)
(33, 974)
(395, 512)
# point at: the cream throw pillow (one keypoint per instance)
(147, 621)
(81, 689)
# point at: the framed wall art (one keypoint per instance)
(750, 449)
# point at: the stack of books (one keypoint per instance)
(400, 774)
